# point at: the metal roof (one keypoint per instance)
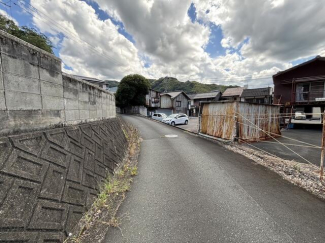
(89, 79)
(93, 80)
(233, 92)
(204, 95)
(173, 95)
(318, 58)
(256, 92)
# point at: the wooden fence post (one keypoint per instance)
(321, 169)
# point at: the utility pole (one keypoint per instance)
(321, 169)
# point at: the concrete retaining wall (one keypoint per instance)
(35, 94)
(49, 178)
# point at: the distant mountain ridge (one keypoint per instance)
(112, 83)
(170, 84)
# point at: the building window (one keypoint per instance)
(178, 103)
(155, 100)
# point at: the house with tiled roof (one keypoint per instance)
(233, 94)
(258, 96)
(197, 98)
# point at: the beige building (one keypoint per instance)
(174, 102)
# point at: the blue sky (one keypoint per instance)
(157, 48)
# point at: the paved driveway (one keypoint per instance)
(301, 136)
(192, 190)
(192, 126)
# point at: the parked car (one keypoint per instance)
(158, 116)
(300, 115)
(176, 119)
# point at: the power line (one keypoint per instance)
(5, 4)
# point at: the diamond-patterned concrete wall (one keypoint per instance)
(49, 179)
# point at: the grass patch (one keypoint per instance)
(134, 171)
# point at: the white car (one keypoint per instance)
(300, 115)
(176, 119)
(158, 116)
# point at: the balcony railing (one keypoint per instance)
(310, 96)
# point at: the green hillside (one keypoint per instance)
(169, 84)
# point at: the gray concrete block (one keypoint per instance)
(19, 67)
(51, 89)
(99, 113)
(52, 103)
(92, 114)
(18, 48)
(84, 114)
(83, 105)
(17, 121)
(2, 100)
(50, 76)
(72, 115)
(20, 83)
(71, 104)
(70, 93)
(69, 82)
(99, 105)
(1, 78)
(105, 113)
(84, 96)
(92, 107)
(22, 101)
(49, 63)
(3, 120)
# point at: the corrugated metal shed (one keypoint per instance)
(218, 120)
(230, 120)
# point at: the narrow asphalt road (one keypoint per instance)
(192, 190)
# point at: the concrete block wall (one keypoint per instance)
(49, 178)
(35, 94)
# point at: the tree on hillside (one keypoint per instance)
(27, 34)
(132, 91)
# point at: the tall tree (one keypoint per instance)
(132, 91)
(25, 33)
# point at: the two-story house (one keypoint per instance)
(174, 102)
(301, 88)
(152, 101)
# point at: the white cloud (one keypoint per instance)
(281, 30)
(55, 40)
(267, 34)
(94, 47)
(164, 32)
